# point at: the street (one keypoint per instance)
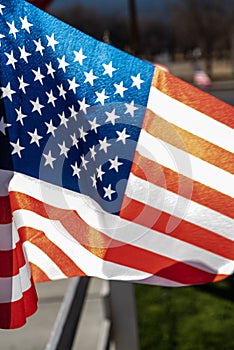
(225, 95)
(224, 91)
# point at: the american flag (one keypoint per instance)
(110, 167)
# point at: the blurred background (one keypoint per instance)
(194, 40)
(175, 33)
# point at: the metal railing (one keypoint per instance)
(119, 325)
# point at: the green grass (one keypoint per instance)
(187, 318)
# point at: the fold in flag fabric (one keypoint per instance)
(110, 167)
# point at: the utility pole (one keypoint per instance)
(232, 52)
(134, 28)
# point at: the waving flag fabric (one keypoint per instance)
(110, 167)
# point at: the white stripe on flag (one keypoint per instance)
(191, 120)
(185, 164)
(86, 261)
(13, 287)
(39, 258)
(183, 208)
(51, 194)
(8, 239)
(5, 176)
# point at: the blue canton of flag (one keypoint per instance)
(75, 106)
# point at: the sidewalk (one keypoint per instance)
(222, 85)
(222, 70)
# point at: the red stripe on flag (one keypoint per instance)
(115, 251)
(5, 210)
(174, 182)
(157, 220)
(160, 265)
(11, 261)
(37, 274)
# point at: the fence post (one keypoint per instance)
(123, 316)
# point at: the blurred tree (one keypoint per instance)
(203, 23)
(86, 19)
(41, 3)
(90, 21)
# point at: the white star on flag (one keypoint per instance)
(24, 54)
(62, 92)
(62, 63)
(76, 170)
(84, 162)
(50, 69)
(13, 29)
(50, 128)
(93, 124)
(17, 148)
(49, 159)
(82, 133)
(51, 41)
(73, 112)
(63, 119)
(38, 75)
(101, 97)
(74, 140)
(122, 136)
(130, 108)
(100, 172)
(1, 37)
(93, 152)
(83, 106)
(51, 98)
(73, 85)
(25, 24)
(108, 192)
(79, 57)
(112, 117)
(115, 164)
(120, 89)
(109, 69)
(3, 126)
(11, 59)
(35, 138)
(137, 81)
(39, 47)
(90, 77)
(63, 149)
(37, 106)
(94, 181)
(20, 115)
(1, 8)
(22, 85)
(7, 91)
(104, 145)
